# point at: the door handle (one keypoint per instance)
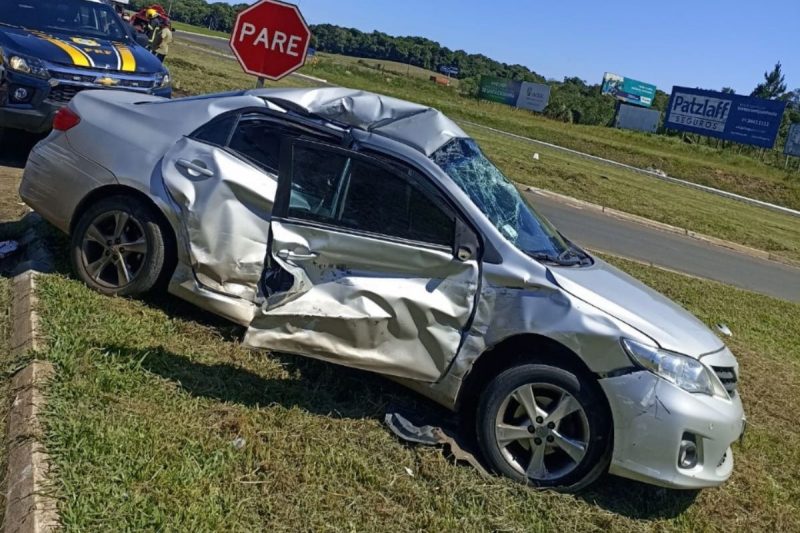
(194, 167)
(294, 256)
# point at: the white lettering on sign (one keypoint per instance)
(294, 43)
(700, 111)
(279, 42)
(247, 30)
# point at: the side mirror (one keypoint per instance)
(466, 242)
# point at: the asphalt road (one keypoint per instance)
(220, 45)
(596, 231)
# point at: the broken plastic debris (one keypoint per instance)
(7, 248)
(536, 156)
(409, 471)
(430, 435)
(239, 443)
(725, 330)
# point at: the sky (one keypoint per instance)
(701, 43)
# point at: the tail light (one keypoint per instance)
(65, 119)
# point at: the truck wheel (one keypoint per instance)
(544, 426)
(118, 246)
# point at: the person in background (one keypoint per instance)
(140, 34)
(162, 37)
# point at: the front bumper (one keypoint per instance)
(36, 113)
(652, 416)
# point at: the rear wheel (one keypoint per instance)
(118, 246)
(544, 426)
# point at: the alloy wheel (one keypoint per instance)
(542, 431)
(114, 249)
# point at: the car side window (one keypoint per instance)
(259, 141)
(359, 194)
(316, 183)
(218, 131)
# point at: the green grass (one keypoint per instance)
(180, 26)
(150, 398)
(196, 72)
(385, 66)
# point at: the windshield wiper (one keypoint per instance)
(577, 254)
(555, 259)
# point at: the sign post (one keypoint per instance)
(270, 39)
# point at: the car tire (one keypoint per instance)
(118, 246)
(564, 446)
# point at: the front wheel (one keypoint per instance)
(544, 426)
(118, 247)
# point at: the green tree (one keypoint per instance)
(773, 87)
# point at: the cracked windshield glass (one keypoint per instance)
(502, 203)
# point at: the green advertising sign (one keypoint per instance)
(629, 90)
(499, 90)
(523, 94)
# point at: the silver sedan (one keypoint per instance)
(374, 233)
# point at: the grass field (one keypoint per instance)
(700, 163)
(196, 72)
(180, 26)
(391, 67)
(160, 420)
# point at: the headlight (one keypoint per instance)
(162, 80)
(687, 373)
(28, 65)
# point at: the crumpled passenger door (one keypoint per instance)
(345, 284)
(225, 205)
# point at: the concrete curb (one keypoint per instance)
(741, 248)
(29, 507)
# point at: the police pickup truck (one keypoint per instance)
(52, 49)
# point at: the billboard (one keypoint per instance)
(732, 117)
(499, 90)
(533, 96)
(527, 95)
(631, 117)
(793, 141)
(628, 90)
(449, 70)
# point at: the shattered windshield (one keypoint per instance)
(502, 203)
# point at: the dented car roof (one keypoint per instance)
(423, 128)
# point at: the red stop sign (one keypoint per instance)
(270, 39)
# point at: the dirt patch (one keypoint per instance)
(11, 206)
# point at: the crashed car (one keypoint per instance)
(374, 233)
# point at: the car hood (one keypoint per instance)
(639, 306)
(81, 52)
